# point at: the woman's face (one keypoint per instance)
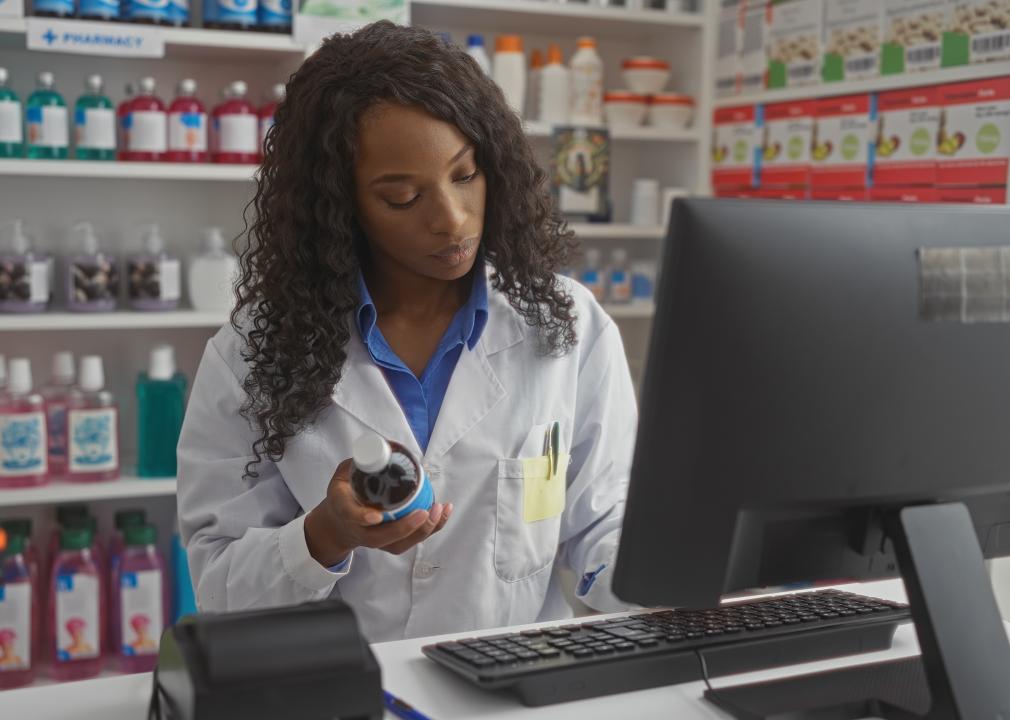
(420, 194)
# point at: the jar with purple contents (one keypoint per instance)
(92, 275)
(24, 275)
(154, 281)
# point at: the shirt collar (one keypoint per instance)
(471, 318)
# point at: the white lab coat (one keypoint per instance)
(488, 567)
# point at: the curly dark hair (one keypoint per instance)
(304, 247)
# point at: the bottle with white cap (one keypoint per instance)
(475, 49)
(268, 112)
(92, 275)
(92, 426)
(161, 403)
(388, 478)
(47, 121)
(11, 128)
(154, 276)
(592, 275)
(235, 128)
(24, 274)
(620, 277)
(212, 275)
(187, 125)
(23, 450)
(55, 393)
(94, 123)
(145, 125)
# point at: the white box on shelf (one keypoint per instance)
(793, 42)
(751, 58)
(913, 34)
(853, 31)
(727, 49)
(979, 32)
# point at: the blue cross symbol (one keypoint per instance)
(50, 36)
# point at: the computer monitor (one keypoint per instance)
(827, 396)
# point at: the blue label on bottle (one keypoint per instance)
(242, 12)
(100, 8)
(33, 114)
(80, 116)
(590, 277)
(128, 580)
(60, 7)
(147, 9)
(23, 441)
(275, 12)
(191, 120)
(178, 11)
(126, 121)
(642, 287)
(65, 582)
(57, 419)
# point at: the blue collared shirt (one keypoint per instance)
(421, 398)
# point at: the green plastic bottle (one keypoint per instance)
(46, 116)
(94, 123)
(11, 128)
(161, 403)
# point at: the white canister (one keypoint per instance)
(555, 89)
(510, 70)
(624, 109)
(671, 110)
(645, 202)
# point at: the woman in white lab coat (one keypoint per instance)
(400, 278)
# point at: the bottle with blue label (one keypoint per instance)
(147, 12)
(591, 275)
(47, 121)
(230, 14)
(92, 426)
(23, 448)
(620, 277)
(178, 13)
(54, 8)
(105, 10)
(12, 144)
(275, 16)
(388, 478)
(94, 123)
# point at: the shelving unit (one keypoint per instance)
(127, 488)
(643, 133)
(613, 231)
(123, 320)
(197, 172)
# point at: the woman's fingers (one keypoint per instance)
(437, 518)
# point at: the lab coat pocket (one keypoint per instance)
(528, 523)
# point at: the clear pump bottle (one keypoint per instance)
(154, 276)
(24, 274)
(92, 275)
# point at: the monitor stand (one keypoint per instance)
(964, 670)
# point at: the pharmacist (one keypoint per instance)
(400, 279)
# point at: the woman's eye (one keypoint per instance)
(469, 177)
(403, 205)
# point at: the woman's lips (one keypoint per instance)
(457, 254)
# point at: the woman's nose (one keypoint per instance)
(448, 214)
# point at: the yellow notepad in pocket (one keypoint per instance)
(543, 495)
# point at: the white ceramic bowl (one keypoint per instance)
(624, 109)
(646, 75)
(670, 110)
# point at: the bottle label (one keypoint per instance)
(140, 598)
(238, 134)
(94, 281)
(25, 280)
(620, 286)
(77, 602)
(187, 132)
(587, 94)
(178, 11)
(23, 444)
(10, 121)
(92, 441)
(146, 131)
(148, 9)
(235, 11)
(275, 12)
(59, 7)
(47, 126)
(265, 125)
(100, 8)
(15, 627)
(56, 416)
(96, 128)
(154, 279)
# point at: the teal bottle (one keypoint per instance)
(161, 403)
(94, 123)
(46, 118)
(11, 128)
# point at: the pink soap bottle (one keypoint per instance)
(145, 128)
(141, 602)
(24, 452)
(18, 613)
(187, 126)
(76, 607)
(268, 111)
(61, 382)
(236, 128)
(92, 426)
(23, 527)
(122, 520)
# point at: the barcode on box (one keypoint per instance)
(860, 65)
(923, 55)
(990, 44)
(801, 72)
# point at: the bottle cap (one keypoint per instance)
(129, 516)
(65, 514)
(92, 376)
(134, 535)
(62, 368)
(147, 86)
(162, 363)
(554, 56)
(475, 41)
(592, 256)
(46, 79)
(20, 382)
(15, 544)
(3, 370)
(18, 526)
(20, 243)
(586, 42)
(619, 256)
(371, 453)
(213, 240)
(238, 89)
(536, 60)
(153, 242)
(279, 92)
(186, 87)
(3, 76)
(93, 84)
(508, 43)
(75, 538)
(88, 239)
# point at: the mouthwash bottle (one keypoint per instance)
(17, 613)
(23, 452)
(121, 520)
(187, 125)
(388, 478)
(11, 130)
(92, 426)
(46, 116)
(23, 527)
(161, 404)
(95, 123)
(76, 607)
(141, 603)
(61, 382)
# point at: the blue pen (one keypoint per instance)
(401, 709)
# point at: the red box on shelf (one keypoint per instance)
(782, 193)
(841, 195)
(975, 196)
(841, 146)
(735, 162)
(974, 137)
(786, 135)
(905, 194)
(908, 122)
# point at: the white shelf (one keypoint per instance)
(615, 231)
(887, 82)
(122, 320)
(630, 312)
(548, 18)
(126, 170)
(63, 492)
(654, 134)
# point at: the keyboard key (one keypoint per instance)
(532, 633)
(549, 653)
(451, 647)
(482, 662)
(603, 649)
(678, 637)
(648, 642)
(561, 643)
(527, 655)
(583, 653)
(695, 635)
(624, 646)
(469, 655)
(558, 633)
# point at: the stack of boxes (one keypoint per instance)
(842, 149)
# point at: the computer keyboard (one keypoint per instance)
(662, 647)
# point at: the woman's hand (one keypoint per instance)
(339, 524)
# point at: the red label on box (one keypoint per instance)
(841, 142)
(976, 196)
(905, 195)
(908, 123)
(786, 136)
(734, 146)
(973, 143)
(840, 195)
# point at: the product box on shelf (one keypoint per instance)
(974, 196)
(12, 8)
(727, 49)
(854, 195)
(908, 122)
(974, 135)
(913, 35)
(978, 31)
(752, 60)
(787, 130)
(735, 148)
(905, 194)
(793, 42)
(853, 30)
(781, 194)
(843, 142)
